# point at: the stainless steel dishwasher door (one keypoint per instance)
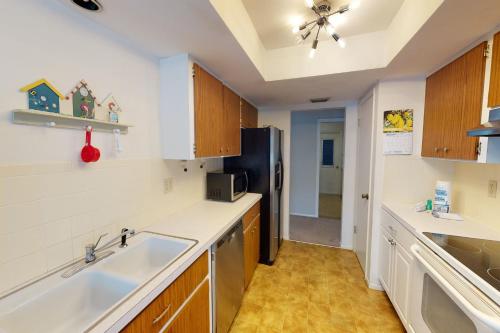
(228, 273)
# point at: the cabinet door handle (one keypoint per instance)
(157, 319)
(436, 149)
(445, 149)
(364, 196)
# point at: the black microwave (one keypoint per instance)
(226, 186)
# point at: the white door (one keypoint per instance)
(330, 176)
(363, 176)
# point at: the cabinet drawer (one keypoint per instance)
(250, 215)
(397, 230)
(161, 309)
(195, 316)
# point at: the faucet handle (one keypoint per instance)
(99, 239)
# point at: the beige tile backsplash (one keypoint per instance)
(49, 212)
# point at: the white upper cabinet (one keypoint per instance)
(177, 108)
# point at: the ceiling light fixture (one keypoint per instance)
(326, 18)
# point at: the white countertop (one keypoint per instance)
(205, 222)
(419, 222)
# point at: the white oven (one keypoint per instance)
(443, 301)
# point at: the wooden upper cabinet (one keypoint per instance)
(208, 113)
(249, 115)
(199, 116)
(494, 93)
(453, 104)
(231, 124)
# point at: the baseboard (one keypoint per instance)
(304, 215)
(375, 285)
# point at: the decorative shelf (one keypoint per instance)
(48, 119)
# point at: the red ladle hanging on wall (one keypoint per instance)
(89, 152)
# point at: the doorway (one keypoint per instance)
(331, 168)
(316, 176)
(363, 180)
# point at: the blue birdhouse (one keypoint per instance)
(43, 96)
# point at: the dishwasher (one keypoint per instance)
(227, 277)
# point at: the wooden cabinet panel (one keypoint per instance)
(251, 241)
(231, 135)
(249, 115)
(195, 316)
(475, 64)
(251, 248)
(162, 308)
(432, 137)
(453, 103)
(208, 113)
(256, 242)
(248, 254)
(494, 92)
(250, 215)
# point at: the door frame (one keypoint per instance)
(371, 94)
(318, 154)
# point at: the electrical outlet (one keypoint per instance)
(168, 184)
(492, 189)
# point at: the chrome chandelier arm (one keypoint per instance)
(308, 32)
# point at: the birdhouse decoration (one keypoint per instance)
(112, 107)
(84, 101)
(43, 96)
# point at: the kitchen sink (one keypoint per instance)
(58, 303)
(69, 307)
(146, 258)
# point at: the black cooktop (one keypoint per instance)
(479, 255)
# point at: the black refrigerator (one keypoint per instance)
(261, 157)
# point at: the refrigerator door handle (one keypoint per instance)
(246, 179)
(280, 173)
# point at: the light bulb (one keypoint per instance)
(355, 4)
(342, 42)
(312, 53)
(295, 29)
(310, 3)
(337, 19)
(330, 29)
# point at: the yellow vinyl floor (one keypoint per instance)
(314, 289)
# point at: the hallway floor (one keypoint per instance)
(315, 230)
(330, 206)
(314, 289)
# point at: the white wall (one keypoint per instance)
(51, 205)
(281, 118)
(304, 165)
(406, 178)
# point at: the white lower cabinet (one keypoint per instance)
(401, 283)
(396, 265)
(386, 254)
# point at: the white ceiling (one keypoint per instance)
(159, 29)
(274, 19)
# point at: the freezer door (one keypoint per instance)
(274, 186)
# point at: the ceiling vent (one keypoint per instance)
(320, 100)
(91, 5)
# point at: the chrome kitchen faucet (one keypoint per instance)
(91, 249)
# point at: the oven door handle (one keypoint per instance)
(486, 319)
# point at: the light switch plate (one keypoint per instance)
(492, 189)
